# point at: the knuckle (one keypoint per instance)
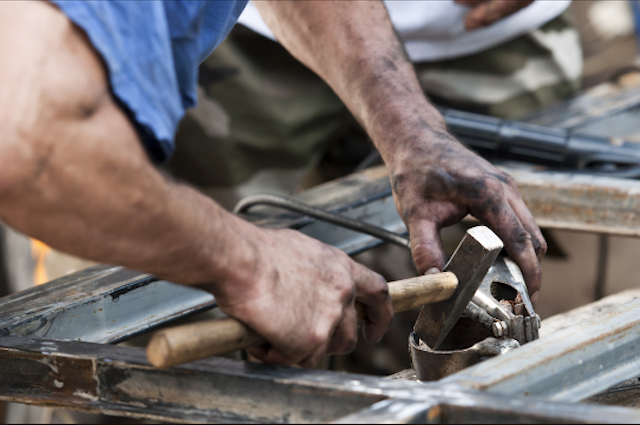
(381, 293)
(426, 256)
(521, 238)
(509, 180)
(334, 316)
(349, 296)
(346, 290)
(494, 185)
(541, 247)
(316, 338)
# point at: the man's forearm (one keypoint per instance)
(97, 196)
(436, 181)
(82, 182)
(353, 47)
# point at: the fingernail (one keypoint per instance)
(432, 270)
(534, 297)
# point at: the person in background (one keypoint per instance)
(231, 147)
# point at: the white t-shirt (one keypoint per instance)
(433, 30)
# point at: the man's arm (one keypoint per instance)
(436, 181)
(73, 174)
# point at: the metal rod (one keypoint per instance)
(320, 214)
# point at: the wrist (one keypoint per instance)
(238, 263)
(406, 130)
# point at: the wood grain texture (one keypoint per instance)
(183, 344)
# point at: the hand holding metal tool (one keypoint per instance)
(449, 292)
(182, 344)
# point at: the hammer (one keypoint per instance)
(449, 293)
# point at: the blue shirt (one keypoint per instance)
(152, 50)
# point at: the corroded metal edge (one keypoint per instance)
(118, 381)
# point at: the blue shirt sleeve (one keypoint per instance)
(152, 50)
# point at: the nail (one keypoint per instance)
(433, 270)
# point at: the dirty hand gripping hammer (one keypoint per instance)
(448, 293)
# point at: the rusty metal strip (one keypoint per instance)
(118, 381)
(581, 202)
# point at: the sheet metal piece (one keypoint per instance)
(102, 304)
(569, 365)
(470, 262)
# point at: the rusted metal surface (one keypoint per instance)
(557, 200)
(581, 202)
(118, 381)
(571, 364)
(102, 304)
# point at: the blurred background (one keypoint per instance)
(579, 269)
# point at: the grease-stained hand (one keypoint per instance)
(486, 12)
(301, 296)
(437, 182)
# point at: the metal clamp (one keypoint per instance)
(504, 297)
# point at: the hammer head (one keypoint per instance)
(470, 263)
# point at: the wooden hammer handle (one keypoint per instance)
(181, 344)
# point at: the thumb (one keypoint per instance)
(426, 246)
